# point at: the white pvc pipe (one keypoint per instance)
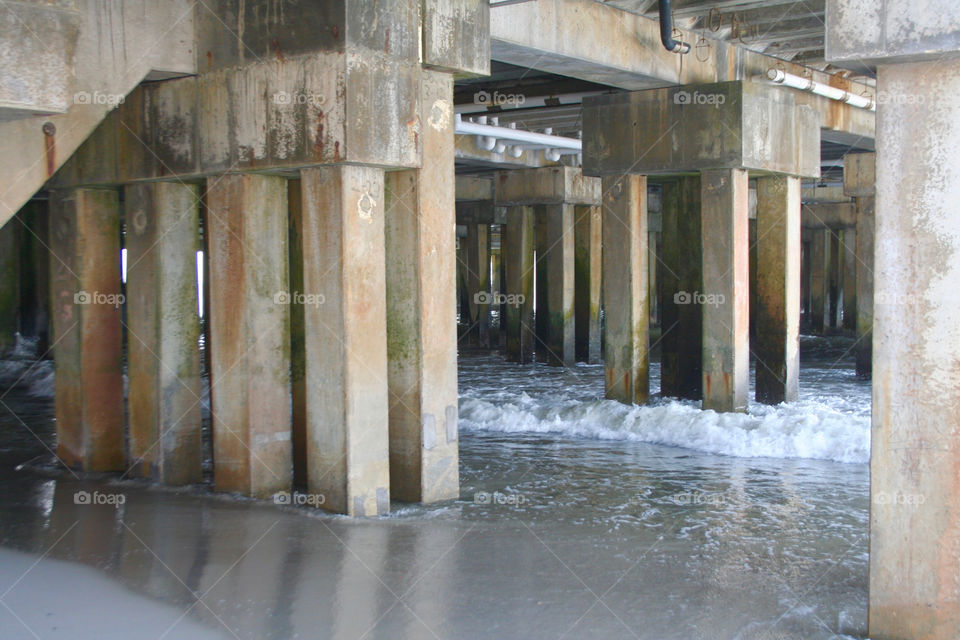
(529, 139)
(779, 76)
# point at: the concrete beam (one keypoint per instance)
(549, 185)
(85, 289)
(714, 126)
(625, 289)
(469, 188)
(726, 241)
(421, 323)
(346, 343)
(249, 306)
(832, 215)
(456, 36)
(163, 329)
(480, 212)
(860, 174)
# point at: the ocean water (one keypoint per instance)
(578, 518)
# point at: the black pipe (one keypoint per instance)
(666, 30)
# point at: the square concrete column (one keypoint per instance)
(681, 341)
(555, 286)
(478, 283)
(848, 280)
(298, 357)
(420, 226)
(625, 290)
(778, 289)
(818, 280)
(12, 235)
(249, 339)
(865, 208)
(86, 308)
(518, 242)
(725, 211)
(834, 265)
(346, 338)
(163, 329)
(587, 282)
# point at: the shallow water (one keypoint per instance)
(578, 518)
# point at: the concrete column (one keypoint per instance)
(421, 325)
(915, 455)
(754, 259)
(653, 266)
(848, 241)
(249, 337)
(35, 275)
(818, 280)
(478, 283)
(625, 288)
(555, 293)
(518, 241)
(163, 328)
(805, 242)
(10, 242)
(834, 265)
(542, 319)
(778, 289)
(866, 224)
(87, 332)
(726, 350)
(346, 343)
(298, 357)
(681, 317)
(587, 258)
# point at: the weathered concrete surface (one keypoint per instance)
(478, 283)
(556, 343)
(681, 321)
(818, 280)
(710, 126)
(476, 212)
(116, 46)
(860, 174)
(626, 354)
(286, 113)
(817, 194)
(848, 280)
(518, 253)
(588, 232)
(833, 278)
(862, 34)
(832, 215)
(163, 329)
(11, 236)
(778, 289)
(249, 333)
(421, 323)
(548, 185)
(346, 343)
(600, 43)
(86, 314)
(471, 188)
(726, 348)
(915, 451)
(456, 35)
(298, 357)
(866, 234)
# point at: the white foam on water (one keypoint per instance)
(805, 429)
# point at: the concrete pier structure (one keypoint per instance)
(10, 242)
(914, 528)
(518, 251)
(163, 330)
(588, 252)
(859, 181)
(87, 328)
(249, 338)
(478, 283)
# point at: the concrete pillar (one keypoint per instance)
(541, 320)
(848, 279)
(555, 286)
(86, 303)
(249, 337)
(866, 225)
(805, 243)
(625, 288)
(298, 357)
(478, 283)
(518, 253)
(588, 251)
(818, 280)
(834, 265)
(421, 326)
(35, 275)
(163, 329)
(754, 259)
(10, 242)
(726, 290)
(778, 289)
(681, 339)
(653, 266)
(346, 338)
(915, 455)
